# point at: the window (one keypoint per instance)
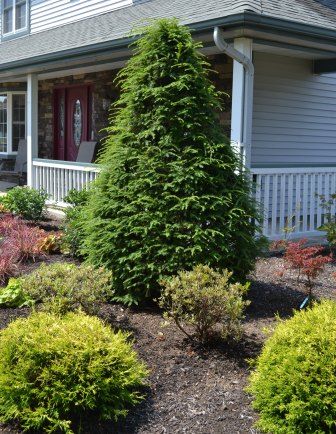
(14, 16)
(12, 121)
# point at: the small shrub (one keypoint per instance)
(308, 261)
(72, 228)
(77, 197)
(63, 287)
(53, 368)
(28, 242)
(294, 383)
(203, 298)
(13, 295)
(19, 242)
(8, 264)
(8, 225)
(329, 224)
(24, 239)
(26, 202)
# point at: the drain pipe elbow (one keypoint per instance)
(228, 49)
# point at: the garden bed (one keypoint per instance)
(194, 390)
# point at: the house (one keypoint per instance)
(276, 58)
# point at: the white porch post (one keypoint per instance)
(32, 127)
(242, 102)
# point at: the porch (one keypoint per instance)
(289, 200)
(57, 178)
(271, 106)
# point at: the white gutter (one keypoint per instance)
(244, 137)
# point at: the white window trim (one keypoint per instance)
(10, 120)
(13, 31)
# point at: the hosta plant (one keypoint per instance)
(13, 295)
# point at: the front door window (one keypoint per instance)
(77, 123)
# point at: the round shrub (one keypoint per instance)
(204, 298)
(53, 368)
(26, 202)
(294, 383)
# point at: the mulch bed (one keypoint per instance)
(192, 389)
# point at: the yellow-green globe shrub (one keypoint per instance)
(294, 383)
(52, 368)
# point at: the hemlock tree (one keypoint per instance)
(169, 195)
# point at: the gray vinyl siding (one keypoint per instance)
(294, 116)
(53, 13)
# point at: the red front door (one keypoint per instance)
(71, 121)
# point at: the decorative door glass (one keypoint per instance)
(77, 123)
(61, 126)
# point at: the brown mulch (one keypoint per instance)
(193, 389)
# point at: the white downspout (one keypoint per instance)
(242, 100)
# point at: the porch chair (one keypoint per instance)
(19, 171)
(86, 152)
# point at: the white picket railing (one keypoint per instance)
(289, 199)
(58, 177)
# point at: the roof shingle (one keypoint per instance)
(118, 24)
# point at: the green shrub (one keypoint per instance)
(26, 202)
(170, 194)
(53, 368)
(294, 383)
(63, 287)
(13, 295)
(77, 197)
(72, 231)
(203, 298)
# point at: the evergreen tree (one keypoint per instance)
(169, 195)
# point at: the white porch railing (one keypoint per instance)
(288, 199)
(58, 177)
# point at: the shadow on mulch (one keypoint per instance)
(238, 352)
(268, 300)
(138, 416)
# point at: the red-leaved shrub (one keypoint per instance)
(28, 241)
(9, 224)
(8, 265)
(308, 261)
(19, 242)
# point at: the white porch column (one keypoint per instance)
(242, 102)
(32, 127)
